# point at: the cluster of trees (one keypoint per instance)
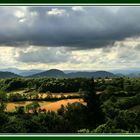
(129, 85)
(67, 119)
(118, 96)
(42, 84)
(35, 96)
(107, 112)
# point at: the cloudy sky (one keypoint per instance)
(72, 37)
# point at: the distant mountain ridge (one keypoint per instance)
(50, 73)
(55, 73)
(91, 74)
(22, 72)
(29, 72)
(8, 75)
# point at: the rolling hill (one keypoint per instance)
(52, 73)
(8, 75)
(95, 74)
(55, 73)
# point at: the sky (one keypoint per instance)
(70, 37)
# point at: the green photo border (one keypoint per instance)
(69, 1)
(69, 136)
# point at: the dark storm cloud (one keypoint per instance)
(92, 27)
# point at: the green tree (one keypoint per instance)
(32, 107)
(20, 110)
(93, 103)
(61, 110)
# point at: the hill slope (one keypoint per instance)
(55, 73)
(8, 75)
(95, 74)
(52, 73)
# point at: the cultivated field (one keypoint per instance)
(56, 105)
(42, 95)
(52, 106)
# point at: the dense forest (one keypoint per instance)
(111, 105)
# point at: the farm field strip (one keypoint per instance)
(47, 105)
(56, 105)
(10, 107)
(53, 106)
(44, 95)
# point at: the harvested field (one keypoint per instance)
(56, 105)
(11, 106)
(43, 95)
(53, 106)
